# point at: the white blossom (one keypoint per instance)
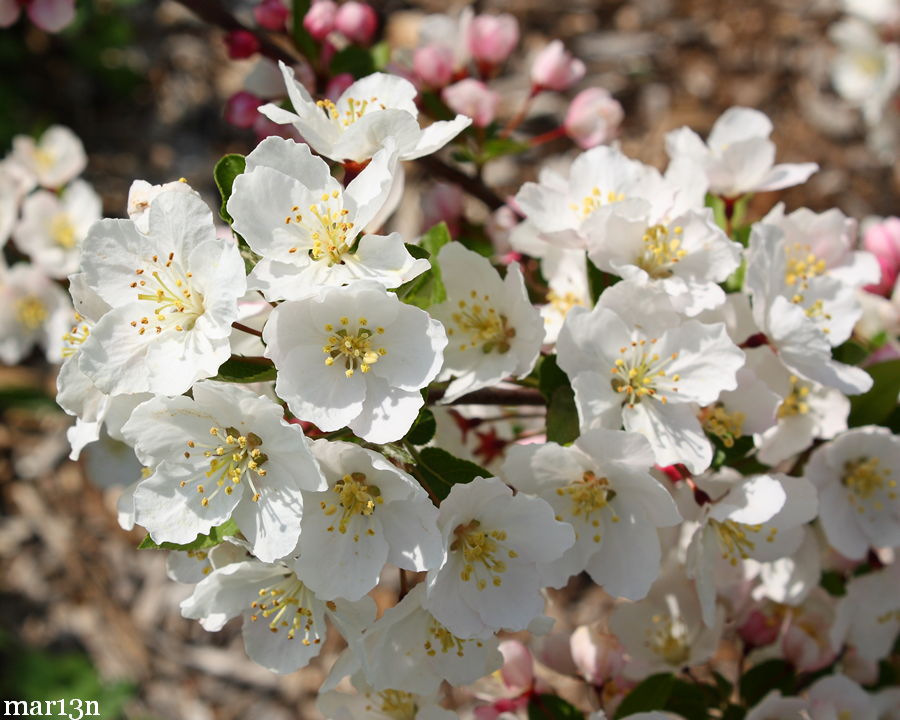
(225, 453)
(355, 127)
(53, 160)
(141, 195)
(837, 696)
(305, 225)
(354, 356)
(34, 310)
(868, 616)
(173, 296)
(492, 328)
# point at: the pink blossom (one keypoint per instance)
(759, 629)
(806, 640)
(271, 14)
(883, 241)
(593, 118)
(241, 110)
(598, 656)
(433, 65)
(241, 44)
(473, 98)
(319, 19)
(357, 22)
(49, 15)
(555, 69)
(492, 38)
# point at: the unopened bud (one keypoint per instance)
(555, 69)
(473, 98)
(593, 118)
(319, 19)
(357, 22)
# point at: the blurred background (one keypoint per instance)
(144, 85)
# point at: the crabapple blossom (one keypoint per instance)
(634, 362)
(319, 19)
(868, 616)
(284, 621)
(433, 65)
(387, 704)
(566, 274)
(866, 72)
(53, 160)
(738, 156)
(226, 453)
(838, 696)
(805, 633)
(492, 38)
(304, 225)
(355, 126)
(370, 513)
(775, 707)
(356, 21)
(354, 356)
(33, 311)
(242, 109)
(49, 15)
(53, 227)
(493, 329)
(882, 239)
(600, 486)
(271, 14)
(495, 546)
(855, 475)
(141, 195)
(173, 296)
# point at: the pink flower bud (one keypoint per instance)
(241, 44)
(357, 22)
(319, 19)
(556, 69)
(473, 98)
(241, 110)
(597, 656)
(492, 38)
(759, 629)
(518, 666)
(51, 15)
(593, 118)
(271, 14)
(337, 85)
(883, 241)
(443, 202)
(433, 65)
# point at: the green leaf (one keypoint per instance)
(226, 170)
(562, 415)
(352, 59)
(735, 281)
(381, 55)
(240, 370)
(216, 536)
(428, 288)
(498, 147)
(441, 470)
(834, 583)
(25, 398)
(718, 207)
(302, 39)
(851, 352)
(691, 701)
(769, 675)
(423, 428)
(875, 406)
(598, 280)
(551, 707)
(651, 694)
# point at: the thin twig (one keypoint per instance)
(472, 185)
(246, 328)
(493, 396)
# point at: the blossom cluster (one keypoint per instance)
(320, 404)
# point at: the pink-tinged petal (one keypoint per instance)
(51, 15)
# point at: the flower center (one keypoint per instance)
(234, 458)
(589, 494)
(795, 403)
(484, 327)
(562, 303)
(868, 484)
(354, 348)
(595, 200)
(802, 265)
(286, 605)
(352, 111)
(75, 337)
(166, 286)
(327, 227)
(445, 640)
(668, 637)
(734, 540)
(63, 231)
(480, 549)
(726, 426)
(639, 372)
(355, 497)
(44, 158)
(396, 704)
(31, 312)
(662, 250)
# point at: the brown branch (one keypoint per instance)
(472, 185)
(246, 328)
(212, 12)
(493, 396)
